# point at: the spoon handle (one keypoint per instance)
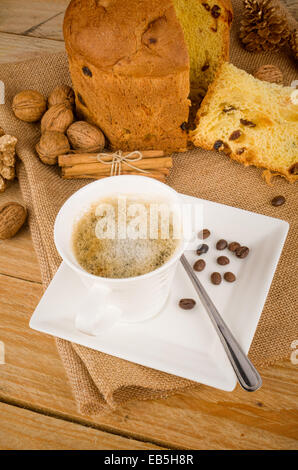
(246, 373)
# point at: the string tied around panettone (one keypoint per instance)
(118, 159)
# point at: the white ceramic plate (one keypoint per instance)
(177, 341)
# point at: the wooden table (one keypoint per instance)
(37, 409)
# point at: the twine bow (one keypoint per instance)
(118, 159)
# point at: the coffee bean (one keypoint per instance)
(187, 304)
(233, 246)
(205, 233)
(223, 260)
(229, 277)
(242, 252)
(202, 249)
(199, 265)
(215, 278)
(221, 244)
(278, 201)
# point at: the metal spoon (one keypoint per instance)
(246, 373)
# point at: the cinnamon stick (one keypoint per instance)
(71, 159)
(68, 172)
(158, 175)
(97, 168)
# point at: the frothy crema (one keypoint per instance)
(117, 240)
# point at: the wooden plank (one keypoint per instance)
(26, 430)
(14, 48)
(17, 255)
(39, 18)
(33, 376)
(18, 258)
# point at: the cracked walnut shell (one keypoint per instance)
(7, 159)
(29, 105)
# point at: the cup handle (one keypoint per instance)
(97, 314)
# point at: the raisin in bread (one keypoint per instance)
(252, 121)
(132, 63)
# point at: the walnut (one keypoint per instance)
(57, 118)
(2, 184)
(85, 137)
(7, 145)
(29, 105)
(62, 94)
(8, 172)
(51, 145)
(7, 159)
(269, 73)
(12, 218)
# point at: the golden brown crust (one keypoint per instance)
(133, 37)
(229, 14)
(227, 5)
(130, 70)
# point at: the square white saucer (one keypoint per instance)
(183, 342)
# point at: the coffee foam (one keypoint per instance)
(119, 258)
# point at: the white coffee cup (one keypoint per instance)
(112, 300)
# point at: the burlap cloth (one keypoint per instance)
(100, 381)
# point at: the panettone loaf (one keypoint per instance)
(252, 121)
(206, 28)
(131, 62)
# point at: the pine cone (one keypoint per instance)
(264, 26)
(294, 43)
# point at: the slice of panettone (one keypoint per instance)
(254, 122)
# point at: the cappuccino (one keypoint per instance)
(121, 238)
